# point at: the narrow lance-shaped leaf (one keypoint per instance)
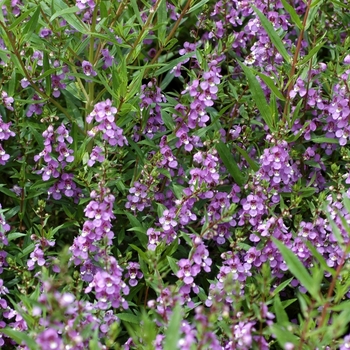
(162, 21)
(320, 139)
(271, 32)
(297, 269)
(172, 334)
(67, 10)
(32, 24)
(230, 163)
(20, 337)
(311, 54)
(281, 315)
(294, 16)
(253, 164)
(314, 11)
(197, 6)
(270, 83)
(258, 96)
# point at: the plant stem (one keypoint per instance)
(290, 83)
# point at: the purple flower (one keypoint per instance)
(36, 257)
(345, 344)
(3, 262)
(137, 199)
(50, 170)
(88, 69)
(83, 4)
(133, 273)
(56, 82)
(107, 58)
(4, 157)
(96, 156)
(34, 108)
(347, 59)
(299, 88)
(7, 100)
(38, 56)
(187, 271)
(167, 220)
(153, 238)
(5, 132)
(45, 32)
(254, 205)
(49, 339)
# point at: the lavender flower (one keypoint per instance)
(88, 69)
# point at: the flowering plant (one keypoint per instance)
(174, 174)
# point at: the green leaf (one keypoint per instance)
(314, 11)
(345, 305)
(173, 264)
(197, 6)
(20, 19)
(271, 32)
(306, 192)
(293, 15)
(230, 163)
(172, 334)
(32, 24)
(142, 254)
(48, 75)
(65, 11)
(335, 229)
(283, 335)
(136, 11)
(93, 343)
(297, 269)
(258, 96)
(335, 2)
(14, 235)
(168, 120)
(281, 286)
(75, 22)
(140, 156)
(173, 63)
(20, 337)
(317, 139)
(310, 55)
(346, 202)
(253, 164)
(7, 191)
(127, 317)
(281, 315)
(162, 21)
(135, 85)
(271, 84)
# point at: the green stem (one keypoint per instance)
(37, 89)
(172, 32)
(290, 83)
(152, 11)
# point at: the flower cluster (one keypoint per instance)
(137, 199)
(5, 134)
(55, 140)
(151, 98)
(104, 114)
(175, 229)
(109, 287)
(97, 227)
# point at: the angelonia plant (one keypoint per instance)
(174, 174)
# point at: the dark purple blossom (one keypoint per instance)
(7, 100)
(49, 339)
(134, 273)
(45, 32)
(88, 69)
